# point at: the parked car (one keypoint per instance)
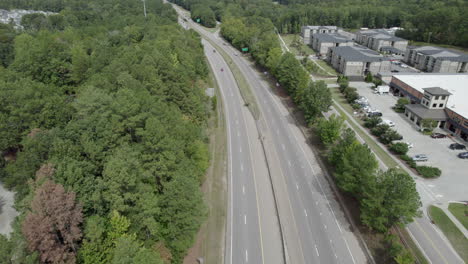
(463, 155)
(457, 146)
(438, 135)
(420, 157)
(395, 71)
(371, 114)
(388, 123)
(403, 65)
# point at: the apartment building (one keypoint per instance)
(437, 60)
(356, 61)
(308, 31)
(381, 40)
(321, 42)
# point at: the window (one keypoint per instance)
(434, 105)
(437, 97)
(441, 105)
(442, 97)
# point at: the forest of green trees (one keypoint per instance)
(102, 129)
(439, 21)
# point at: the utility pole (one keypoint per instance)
(144, 7)
(429, 37)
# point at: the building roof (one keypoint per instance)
(381, 34)
(436, 91)
(426, 113)
(335, 38)
(456, 84)
(392, 49)
(321, 27)
(441, 53)
(357, 53)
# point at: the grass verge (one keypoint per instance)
(326, 67)
(210, 239)
(289, 38)
(408, 241)
(451, 231)
(460, 211)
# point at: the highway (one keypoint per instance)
(314, 227)
(321, 231)
(252, 229)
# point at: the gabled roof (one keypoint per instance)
(335, 38)
(380, 34)
(441, 53)
(357, 53)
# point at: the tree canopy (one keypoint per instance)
(114, 104)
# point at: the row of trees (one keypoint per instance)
(386, 198)
(112, 109)
(432, 21)
(258, 34)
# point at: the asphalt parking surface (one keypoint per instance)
(452, 184)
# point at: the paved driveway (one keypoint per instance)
(453, 183)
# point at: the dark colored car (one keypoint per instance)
(371, 114)
(395, 71)
(463, 155)
(457, 146)
(438, 135)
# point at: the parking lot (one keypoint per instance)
(452, 184)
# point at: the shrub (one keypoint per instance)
(351, 96)
(369, 77)
(389, 136)
(400, 105)
(356, 106)
(379, 130)
(343, 86)
(399, 148)
(428, 172)
(408, 160)
(372, 122)
(377, 82)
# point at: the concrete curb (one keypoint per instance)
(283, 242)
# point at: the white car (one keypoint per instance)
(404, 65)
(409, 144)
(388, 122)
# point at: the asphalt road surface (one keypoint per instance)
(314, 228)
(252, 229)
(317, 230)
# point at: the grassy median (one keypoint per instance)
(451, 231)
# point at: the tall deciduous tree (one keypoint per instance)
(329, 130)
(394, 200)
(52, 226)
(355, 171)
